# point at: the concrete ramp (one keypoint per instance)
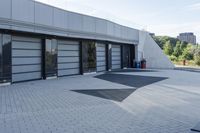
(149, 50)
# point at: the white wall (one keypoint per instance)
(32, 16)
(149, 50)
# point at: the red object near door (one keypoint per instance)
(143, 64)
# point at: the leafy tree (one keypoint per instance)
(177, 50)
(197, 56)
(184, 45)
(161, 40)
(173, 58)
(188, 53)
(168, 49)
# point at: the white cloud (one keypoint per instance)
(174, 29)
(195, 6)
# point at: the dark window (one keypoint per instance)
(51, 58)
(1, 59)
(126, 56)
(5, 58)
(109, 56)
(89, 56)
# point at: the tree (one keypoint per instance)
(188, 52)
(197, 56)
(184, 45)
(177, 50)
(168, 49)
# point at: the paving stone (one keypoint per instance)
(167, 106)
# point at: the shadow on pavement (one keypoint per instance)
(135, 81)
(119, 95)
(112, 94)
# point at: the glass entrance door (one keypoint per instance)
(89, 56)
(50, 58)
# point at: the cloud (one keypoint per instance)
(174, 29)
(195, 6)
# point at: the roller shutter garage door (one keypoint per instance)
(68, 58)
(116, 57)
(101, 57)
(26, 59)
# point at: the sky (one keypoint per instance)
(162, 17)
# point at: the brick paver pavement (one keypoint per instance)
(168, 106)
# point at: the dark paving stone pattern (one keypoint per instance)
(130, 80)
(112, 94)
(121, 94)
(196, 128)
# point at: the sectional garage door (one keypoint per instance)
(68, 58)
(101, 57)
(26, 59)
(116, 57)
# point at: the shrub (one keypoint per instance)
(173, 58)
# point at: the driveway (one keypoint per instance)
(127, 101)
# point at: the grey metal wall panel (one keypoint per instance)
(26, 39)
(110, 28)
(26, 45)
(64, 42)
(116, 57)
(68, 47)
(101, 63)
(68, 58)
(25, 76)
(27, 53)
(26, 58)
(43, 14)
(68, 53)
(21, 69)
(32, 16)
(101, 68)
(101, 48)
(5, 9)
(101, 57)
(116, 53)
(89, 24)
(75, 21)
(124, 32)
(101, 26)
(116, 66)
(23, 10)
(101, 53)
(116, 62)
(68, 65)
(60, 18)
(68, 72)
(117, 31)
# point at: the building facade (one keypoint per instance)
(187, 37)
(38, 41)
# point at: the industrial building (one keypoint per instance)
(38, 41)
